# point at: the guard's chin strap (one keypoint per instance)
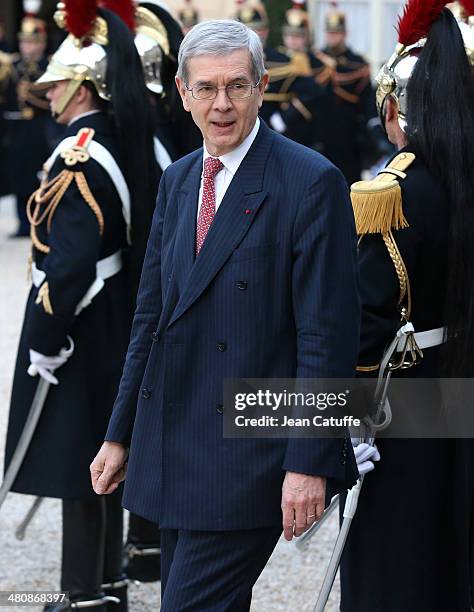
(72, 86)
(382, 115)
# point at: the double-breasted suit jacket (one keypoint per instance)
(272, 293)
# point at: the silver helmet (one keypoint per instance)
(151, 41)
(78, 59)
(393, 77)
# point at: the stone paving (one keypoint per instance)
(290, 581)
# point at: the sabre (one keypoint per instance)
(381, 420)
(31, 422)
(383, 407)
(22, 527)
(25, 438)
(302, 542)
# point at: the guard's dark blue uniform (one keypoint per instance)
(346, 137)
(67, 249)
(292, 94)
(415, 508)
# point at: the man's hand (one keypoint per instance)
(108, 468)
(302, 502)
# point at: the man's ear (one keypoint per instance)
(391, 109)
(82, 95)
(262, 87)
(182, 92)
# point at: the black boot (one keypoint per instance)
(118, 589)
(83, 547)
(94, 603)
(142, 553)
(142, 563)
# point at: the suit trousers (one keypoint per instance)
(92, 544)
(212, 571)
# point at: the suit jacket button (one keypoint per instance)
(221, 346)
(146, 393)
(155, 336)
(220, 408)
(242, 285)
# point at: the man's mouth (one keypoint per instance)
(223, 124)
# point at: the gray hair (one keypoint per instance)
(220, 37)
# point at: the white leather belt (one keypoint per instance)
(105, 268)
(110, 266)
(37, 275)
(424, 339)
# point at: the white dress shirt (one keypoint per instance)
(231, 162)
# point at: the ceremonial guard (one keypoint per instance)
(158, 38)
(411, 540)
(26, 116)
(89, 223)
(296, 44)
(188, 16)
(347, 136)
(291, 97)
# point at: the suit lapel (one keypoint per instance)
(186, 230)
(233, 219)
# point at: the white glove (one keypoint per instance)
(45, 366)
(277, 123)
(365, 455)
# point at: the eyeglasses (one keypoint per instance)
(235, 91)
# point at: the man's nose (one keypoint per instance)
(222, 101)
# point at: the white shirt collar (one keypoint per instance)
(92, 112)
(233, 159)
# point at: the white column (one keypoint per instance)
(376, 48)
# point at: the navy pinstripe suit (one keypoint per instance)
(273, 293)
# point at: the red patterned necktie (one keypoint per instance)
(212, 166)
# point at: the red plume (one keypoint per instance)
(123, 8)
(80, 15)
(468, 6)
(417, 19)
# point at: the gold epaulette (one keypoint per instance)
(297, 66)
(377, 203)
(78, 152)
(300, 64)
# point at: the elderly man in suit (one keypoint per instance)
(250, 272)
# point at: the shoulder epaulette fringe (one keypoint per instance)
(377, 204)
